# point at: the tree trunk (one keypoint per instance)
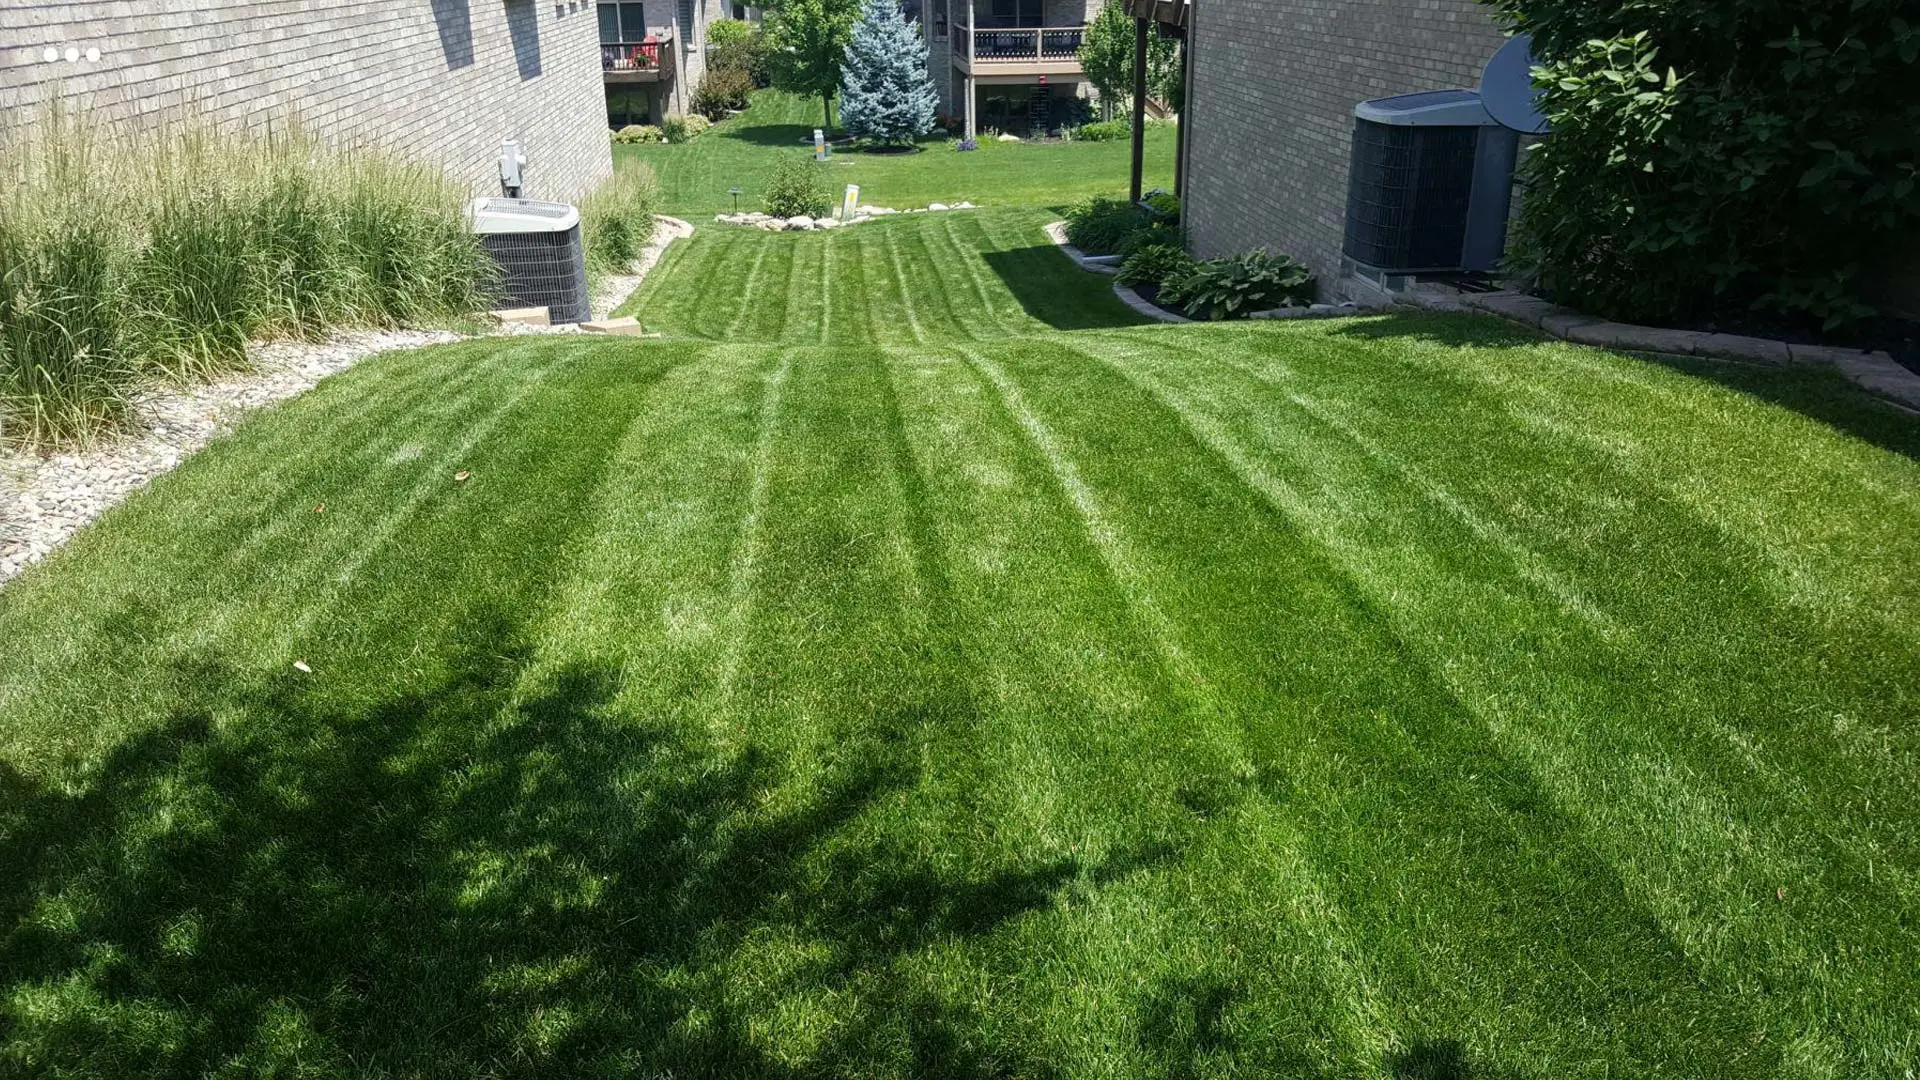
(826, 101)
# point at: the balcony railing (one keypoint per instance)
(644, 57)
(986, 47)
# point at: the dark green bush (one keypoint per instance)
(798, 186)
(681, 129)
(1156, 264)
(1716, 156)
(636, 134)
(1103, 226)
(1236, 287)
(1104, 131)
(721, 90)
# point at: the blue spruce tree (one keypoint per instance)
(886, 94)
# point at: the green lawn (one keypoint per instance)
(912, 667)
(740, 153)
(958, 276)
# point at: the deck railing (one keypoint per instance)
(1029, 45)
(643, 56)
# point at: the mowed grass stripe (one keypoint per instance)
(279, 555)
(900, 281)
(1615, 769)
(1470, 831)
(1090, 718)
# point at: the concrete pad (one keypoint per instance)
(525, 316)
(623, 327)
(1751, 349)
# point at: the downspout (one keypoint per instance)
(1140, 29)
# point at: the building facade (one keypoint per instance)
(440, 81)
(1271, 89)
(653, 54)
(1007, 65)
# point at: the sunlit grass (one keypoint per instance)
(698, 176)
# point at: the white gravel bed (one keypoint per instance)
(615, 289)
(45, 500)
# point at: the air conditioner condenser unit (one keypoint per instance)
(542, 259)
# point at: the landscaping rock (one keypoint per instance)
(937, 206)
(624, 326)
(800, 224)
(1010, 138)
(528, 316)
(828, 223)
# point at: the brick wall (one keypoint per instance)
(1270, 109)
(438, 80)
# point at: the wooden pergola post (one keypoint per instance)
(1141, 28)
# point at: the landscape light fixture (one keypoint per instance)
(735, 192)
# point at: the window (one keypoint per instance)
(623, 23)
(940, 19)
(740, 12)
(1012, 14)
(687, 27)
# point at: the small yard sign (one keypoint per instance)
(848, 204)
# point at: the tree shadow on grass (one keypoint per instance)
(468, 879)
(788, 136)
(1054, 291)
(1815, 393)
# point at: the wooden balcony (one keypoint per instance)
(991, 53)
(645, 62)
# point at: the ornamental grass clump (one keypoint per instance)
(617, 218)
(160, 252)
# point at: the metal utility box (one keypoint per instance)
(542, 260)
(1431, 184)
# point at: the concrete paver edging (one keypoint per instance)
(1876, 372)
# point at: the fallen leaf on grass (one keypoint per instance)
(301, 666)
(1780, 893)
(461, 477)
(319, 507)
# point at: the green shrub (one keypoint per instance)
(1164, 204)
(739, 46)
(162, 253)
(1103, 226)
(1239, 286)
(1104, 131)
(617, 219)
(797, 186)
(1155, 264)
(721, 90)
(724, 32)
(683, 129)
(1715, 156)
(634, 134)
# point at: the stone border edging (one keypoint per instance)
(1146, 307)
(618, 288)
(1095, 264)
(1876, 372)
(1057, 232)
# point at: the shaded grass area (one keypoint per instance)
(740, 153)
(1377, 698)
(920, 279)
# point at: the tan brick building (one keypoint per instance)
(653, 54)
(1009, 65)
(443, 81)
(1270, 105)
